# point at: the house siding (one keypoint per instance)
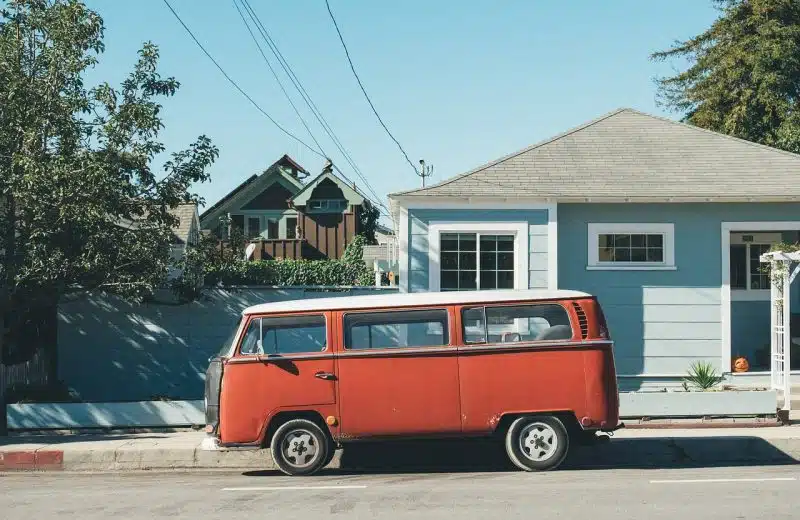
(418, 247)
(662, 321)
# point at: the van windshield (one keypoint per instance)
(225, 349)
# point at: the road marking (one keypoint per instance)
(716, 480)
(290, 488)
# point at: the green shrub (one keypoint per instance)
(703, 375)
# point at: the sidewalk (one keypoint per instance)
(183, 451)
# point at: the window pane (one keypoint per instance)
(638, 240)
(622, 241)
(528, 323)
(622, 254)
(466, 242)
(291, 227)
(638, 254)
(272, 228)
(605, 241)
(488, 243)
(738, 266)
(449, 260)
(655, 255)
(504, 261)
(505, 243)
(488, 279)
(466, 280)
(488, 260)
(466, 261)
(426, 328)
(294, 335)
(253, 226)
(474, 325)
(449, 280)
(505, 280)
(606, 254)
(251, 341)
(449, 242)
(655, 240)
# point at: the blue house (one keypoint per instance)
(663, 221)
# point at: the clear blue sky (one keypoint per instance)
(458, 83)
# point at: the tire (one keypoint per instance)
(537, 443)
(300, 447)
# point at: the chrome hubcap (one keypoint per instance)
(538, 442)
(300, 448)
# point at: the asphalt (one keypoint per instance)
(709, 493)
(184, 450)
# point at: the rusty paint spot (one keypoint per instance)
(494, 420)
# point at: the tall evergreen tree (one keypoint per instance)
(743, 77)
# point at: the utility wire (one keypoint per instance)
(287, 68)
(277, 79)
(353, 68)
(236, 85)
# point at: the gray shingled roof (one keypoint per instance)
(629, 155)
(185, 214)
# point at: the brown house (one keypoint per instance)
(287, 218)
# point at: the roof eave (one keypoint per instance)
(404, 200)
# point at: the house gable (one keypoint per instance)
(282, 177)
(328, 186)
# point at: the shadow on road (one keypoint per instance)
(466, 456)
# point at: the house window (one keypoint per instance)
(748, 276)
(631, 246)
(474, 260)
(291, 227)
(272, 228)
(253, 227)
(378, 330)
(327, 205)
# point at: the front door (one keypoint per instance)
(397, 374)
(283, 363)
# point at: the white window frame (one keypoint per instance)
(747, 294)
(665, 229)
(519, 230)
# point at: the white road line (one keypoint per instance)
(290, 488)
(716, 480)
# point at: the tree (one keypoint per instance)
(81, 207)
(744, 73)
(368, 218)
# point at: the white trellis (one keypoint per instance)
(784, 269)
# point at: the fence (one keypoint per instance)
(111, 350)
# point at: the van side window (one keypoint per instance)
(514, 324)
(398, 329)
(286, 335)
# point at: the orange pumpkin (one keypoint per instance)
(741, 364)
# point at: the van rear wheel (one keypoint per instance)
(300, 447)
(537, 443)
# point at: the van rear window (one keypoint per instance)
(397, 329)
(514, 324)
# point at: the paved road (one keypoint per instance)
(711, 494)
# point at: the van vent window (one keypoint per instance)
(515, 324)
(424, 328)
(582, 321)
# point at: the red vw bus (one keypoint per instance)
(304, 377)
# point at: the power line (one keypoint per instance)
(277, 79)
(287, 68)
(352, 67)
(236, 85)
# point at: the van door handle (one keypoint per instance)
(325, 375)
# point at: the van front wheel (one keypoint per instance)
(537, 443)
(300, 447)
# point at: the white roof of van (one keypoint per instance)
(410, 299)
